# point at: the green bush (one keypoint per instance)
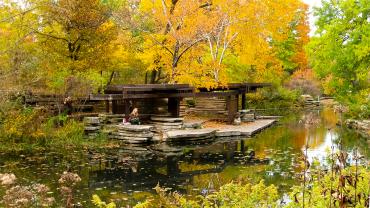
(358, 104)
(273, 99)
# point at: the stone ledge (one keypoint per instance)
(166, 119)
(196, 133)
(135, 128)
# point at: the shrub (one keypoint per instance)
(232, 195)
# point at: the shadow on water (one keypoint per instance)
(129, 173)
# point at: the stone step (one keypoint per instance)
(135, 128)
(166, 119)
(166, 124)
(132, 140)
(227, 133)
(189, 134)
(92, 128)
(130, 134)
(91, 120)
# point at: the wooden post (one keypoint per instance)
(174, 107)
(107, 106)
(110, 104)
(114, 106)
(126, 103)
(127, 108)
(232, 107)
(237, 102)
(244, 101)
(230, 117)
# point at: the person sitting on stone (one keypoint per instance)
(134, 117)
(237, 120)
(67, 105)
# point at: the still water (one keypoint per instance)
(128, 174)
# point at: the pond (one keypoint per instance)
(128, 174)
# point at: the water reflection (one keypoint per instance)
(129, 173)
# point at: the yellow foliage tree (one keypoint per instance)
(178, 26)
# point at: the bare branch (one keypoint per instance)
(189, 46)
(19, 14)
(162, 45)
(226, 45)
(166, 15)
(211, 47)
(48, 35)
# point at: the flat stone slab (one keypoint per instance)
(91, 120)
(269, 117)
(92, 128)
(135, 128)
(255, 127)
(133, 140)
(227, 133)
(167, 127)
(136, 134)
(166, 119)
(194, 133)
(167, 124)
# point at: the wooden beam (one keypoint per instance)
(158, 95)
(215, 94)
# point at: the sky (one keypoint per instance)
(312, 3)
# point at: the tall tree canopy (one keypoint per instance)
(204, 43)
(210, 43)
(340, 51)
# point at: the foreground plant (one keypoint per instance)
(36, 195)
(232, 195)
(68, 181)
(349, 189)
(19, 196)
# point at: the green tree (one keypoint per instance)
(340, 51)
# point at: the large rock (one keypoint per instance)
(135, 128)
(248, 117)
(307, 97)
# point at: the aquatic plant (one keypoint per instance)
(101, 204)
(19, 196)
(68, 181)
(7, 179)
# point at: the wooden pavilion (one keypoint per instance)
(121, 98)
